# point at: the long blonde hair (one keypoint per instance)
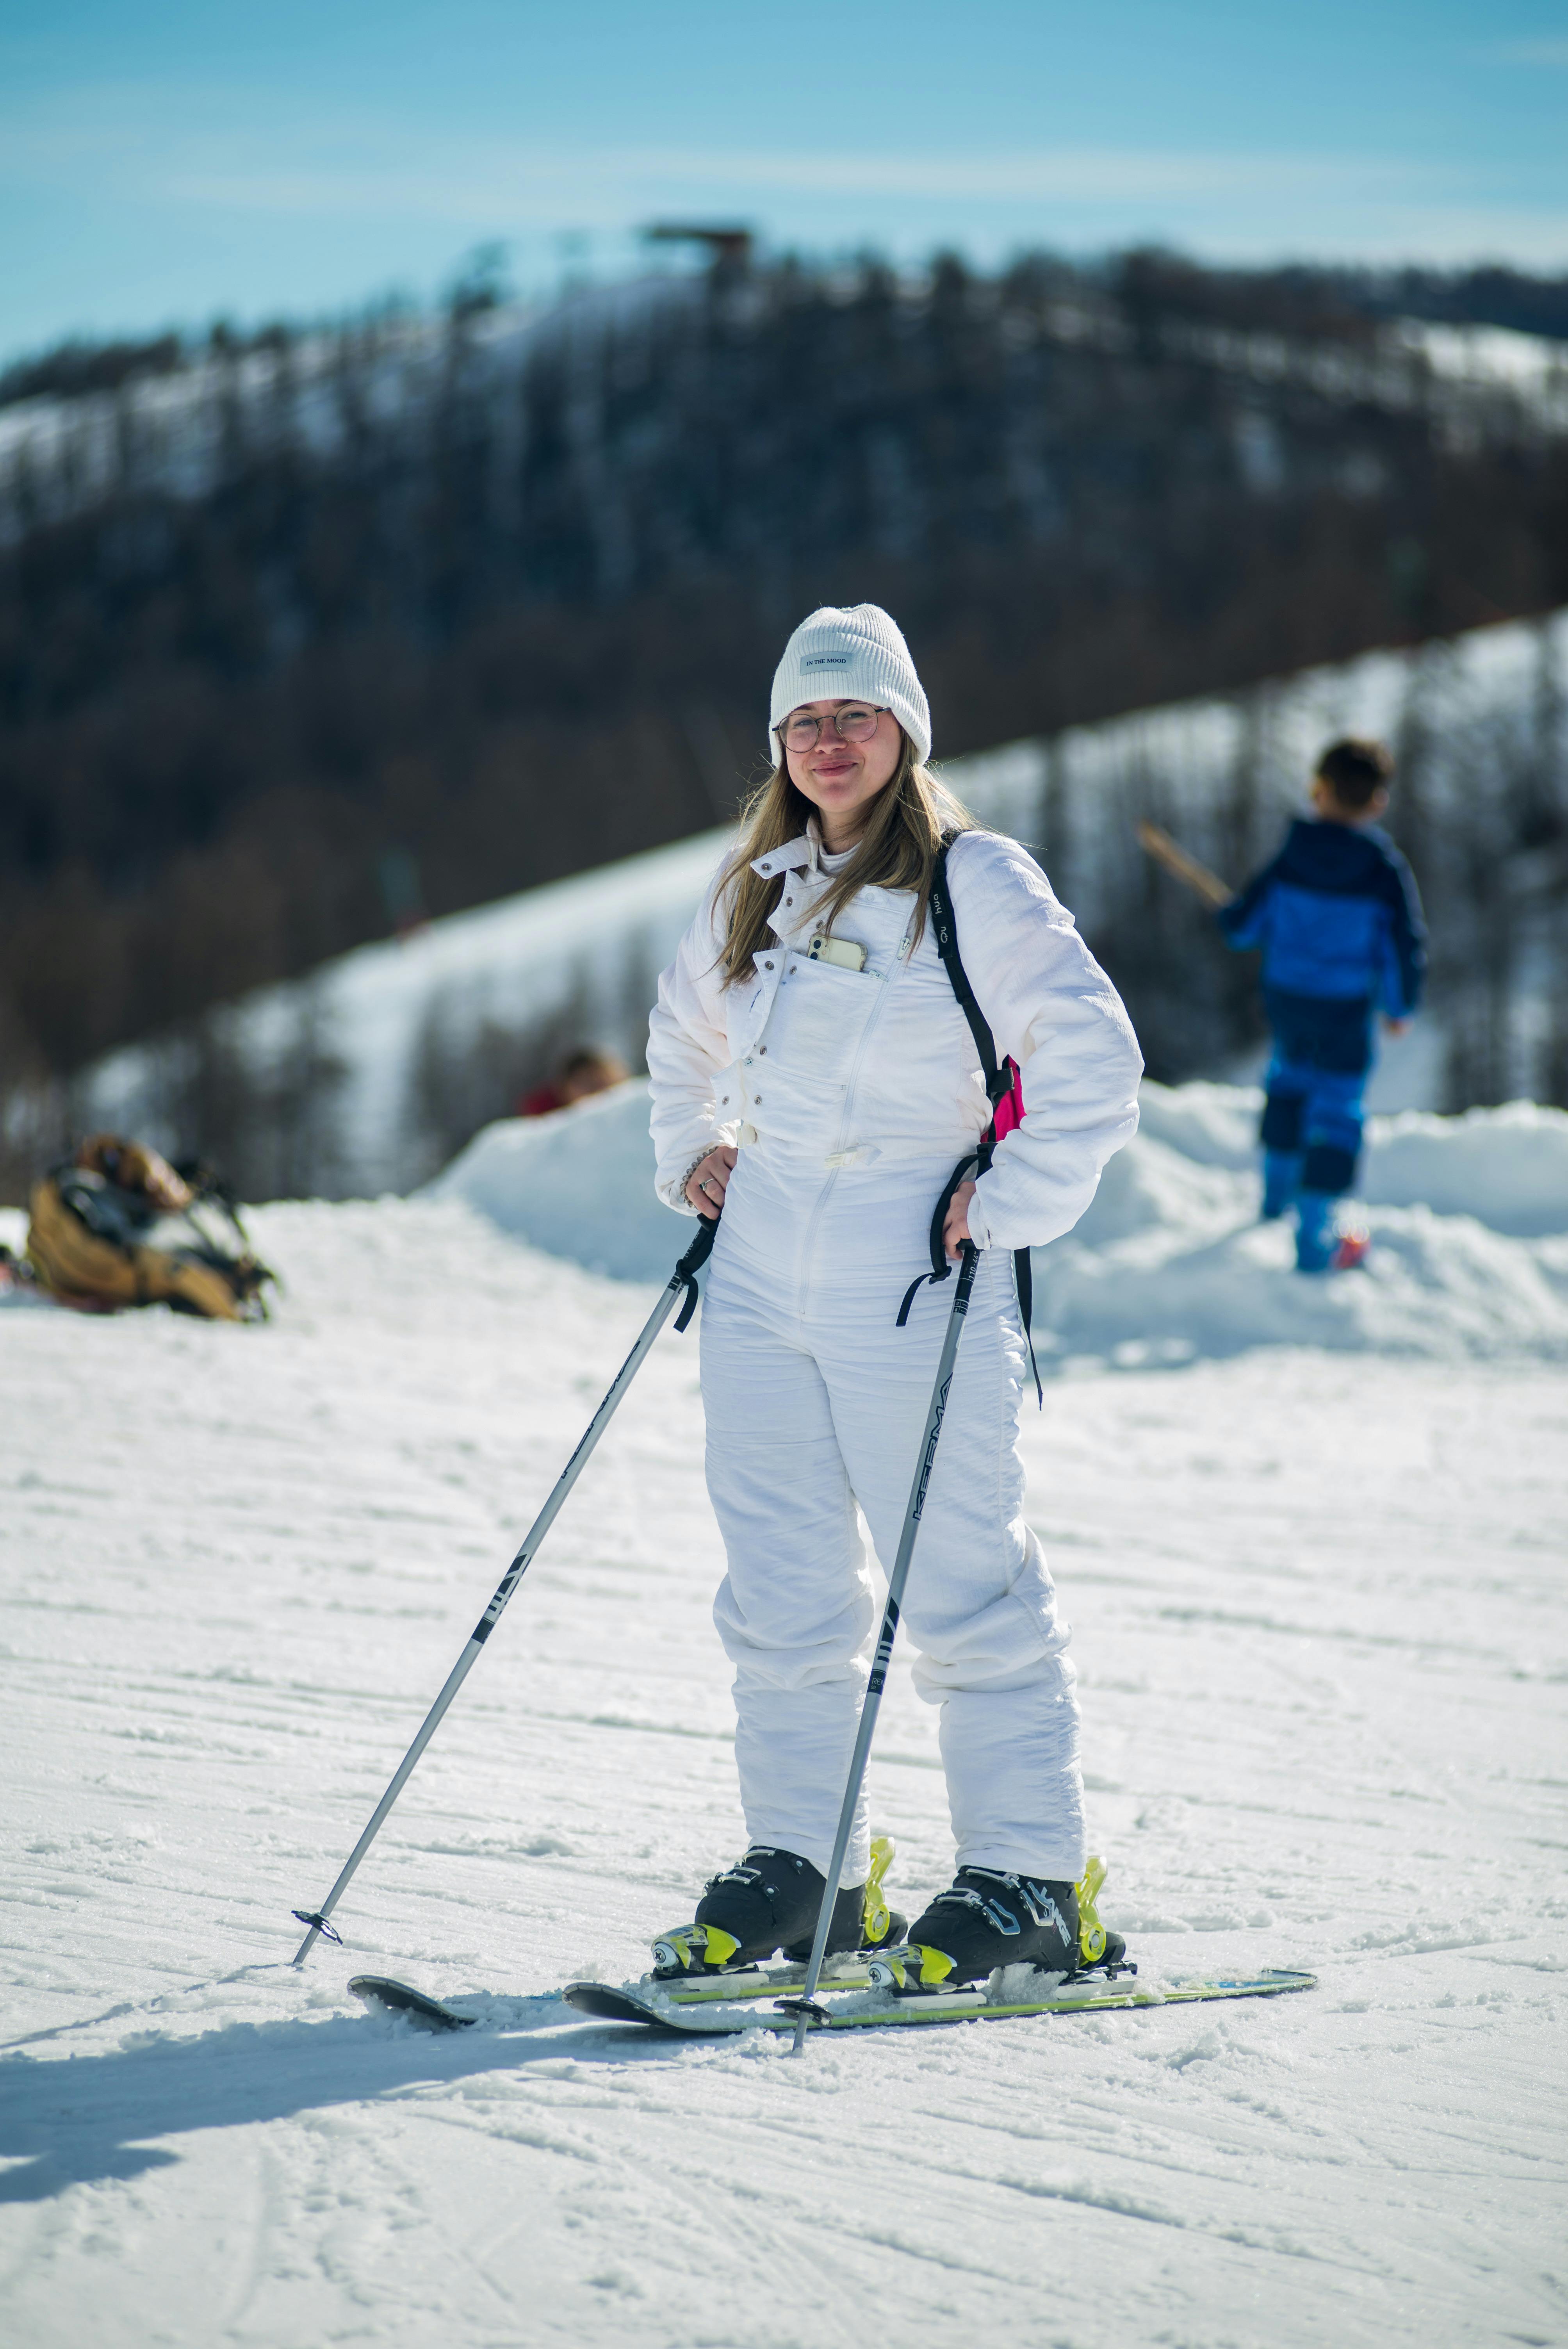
(897, 850)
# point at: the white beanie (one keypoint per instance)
(848, 654)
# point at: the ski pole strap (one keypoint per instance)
(1023, 1266)
(940, 1268)
(691, 1264)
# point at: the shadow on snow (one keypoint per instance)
(84, 2119)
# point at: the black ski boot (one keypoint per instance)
(770, 1901)
(987, 1919)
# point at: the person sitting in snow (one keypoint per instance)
(1338, 918)
(586, 1072)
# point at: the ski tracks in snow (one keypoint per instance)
(1318, 1621)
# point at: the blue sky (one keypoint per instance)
(177, 161)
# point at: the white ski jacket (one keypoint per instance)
(820, 1067)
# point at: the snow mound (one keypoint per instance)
(1468, 1218)
(1180, 1285)
(577, 1184)
(1506, 1167)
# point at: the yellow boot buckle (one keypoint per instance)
(1092, 1932)
(875, 1914)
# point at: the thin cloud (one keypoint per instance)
(199, 146)
(476, 188)
(1533, 53)
(197, 152)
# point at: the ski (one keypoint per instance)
(645, 2003)
(401, 1998)
(703, 1989)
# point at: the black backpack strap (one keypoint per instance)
(1024, 1278)
(944, 931)
(998, 1085)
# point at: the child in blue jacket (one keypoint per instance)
(1338, 918)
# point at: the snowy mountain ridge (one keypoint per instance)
(57, 453)
(170, 431)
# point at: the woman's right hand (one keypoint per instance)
(708, 1181)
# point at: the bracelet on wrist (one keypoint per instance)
(696, 1161)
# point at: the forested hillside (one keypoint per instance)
(305, 635)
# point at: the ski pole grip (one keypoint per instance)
(701, 1248)
(692, 1262)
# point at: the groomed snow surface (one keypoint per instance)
(1315, 1575)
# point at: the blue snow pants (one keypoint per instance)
(1312, 1119)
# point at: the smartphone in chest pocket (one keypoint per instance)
(846, 954)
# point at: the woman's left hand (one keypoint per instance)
(956, 1227)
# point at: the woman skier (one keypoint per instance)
(814, 1076)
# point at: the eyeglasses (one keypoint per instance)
(801, 731)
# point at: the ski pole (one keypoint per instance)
(804, 2007)
(683, 1277)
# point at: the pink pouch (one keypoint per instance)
(1010, 1108)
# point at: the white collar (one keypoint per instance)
(792, 856)
(796, 856)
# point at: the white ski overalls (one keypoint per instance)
(851, 1095)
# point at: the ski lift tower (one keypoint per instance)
(728, 249)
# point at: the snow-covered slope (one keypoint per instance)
(173, 432)
(174, 428)
(589, 950)
(594, 945)
(1316, 1602)
(1468, 1217)
(1479, 695)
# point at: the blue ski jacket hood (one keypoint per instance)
(1337, 915)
